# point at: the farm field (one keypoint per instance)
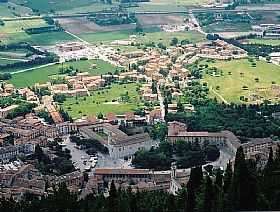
(45, 74)
(231, 85)
(96, 103)
(264, 41)
(11, 10)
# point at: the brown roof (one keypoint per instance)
(121, 171)
(111, 116)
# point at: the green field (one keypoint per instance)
(46, 6)
(42, 75)
(231, 85)
(14, 30)
(12, 10)
(94, 104)
(6, 61)
(165, 5)
(264, 41)
(151, 34)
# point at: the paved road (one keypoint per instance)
(162, 107)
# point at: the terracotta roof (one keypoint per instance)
(121, 171)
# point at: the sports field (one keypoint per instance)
(42, 75)
(96, 103)
(231, 84)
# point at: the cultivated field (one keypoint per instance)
(13, 32)
(96, 103)
(42, 75)
(231, 86)
(264, 41)
(83, 25)
(164, 19)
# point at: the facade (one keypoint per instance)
(225, 139)
(119, 175)
(5, 111)
(8, 152)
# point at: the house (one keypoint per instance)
(5, 111)
(8, 152)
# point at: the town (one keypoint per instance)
(132, 100)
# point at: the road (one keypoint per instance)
(29, 69)
(99, 51)
(162, 107)
(195, 23)
(222, 98)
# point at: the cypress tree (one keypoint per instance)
(219, 178)
(208, 195)
(112, 197)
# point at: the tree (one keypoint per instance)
(38, 153)
(212, 152)
(208, 195)
(174, 42)
(112, 197)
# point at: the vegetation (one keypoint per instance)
(231, 81)
(112, 19)
(105, 101)
(245, 188)
(187, 155)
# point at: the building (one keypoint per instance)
(73, 180)
(120, 147)
(119, 175)
(8, 152)
(5, 111)
(225, 139)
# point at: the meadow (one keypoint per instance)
(232, 81)
(96, 103)
(152, 34)
(45, 74)
(11, 10)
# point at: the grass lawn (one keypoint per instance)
(102, 135)
(151, 34)
(231, 85)
(10, 10)
(94, 104)
(45, 74)
(265, 41)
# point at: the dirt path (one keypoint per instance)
(222, 98)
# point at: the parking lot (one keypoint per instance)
(81, 159)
